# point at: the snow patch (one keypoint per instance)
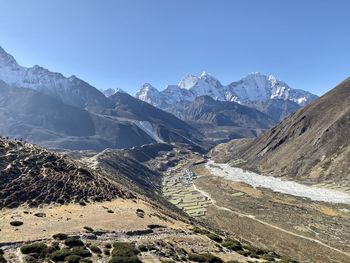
(111, 91)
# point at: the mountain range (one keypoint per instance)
(310, 145)
(239, 99)
(160, 125)
(222, 120)
(253, 88)
(45, 120)
(136, 172)
(68, 113)
(72, 90)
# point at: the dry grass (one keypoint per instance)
(73, 218)
(328, 211)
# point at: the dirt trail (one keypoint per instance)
(268, 224)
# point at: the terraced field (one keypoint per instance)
(179, 190)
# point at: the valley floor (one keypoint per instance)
(278, 185)
(302, 228)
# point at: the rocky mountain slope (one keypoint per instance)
(263, 93)
(205, 109)
(59, 209)
(161, 125)
(223, 120)
(139, 177)
(111, 91)
(277, 109)
(72, 91)
(32, 175)
(47, 121)
(68, 113)
(312, 144)
(252, 88)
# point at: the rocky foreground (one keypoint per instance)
(32, 175)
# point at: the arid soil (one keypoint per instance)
(118, 215)
(157, 236)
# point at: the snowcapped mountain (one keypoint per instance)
(257, 87)
(111, 91)
(151, 95)
(188, 89)
(72, 90)
(67, 113)
(253, 88)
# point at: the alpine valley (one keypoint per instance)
(251, 171)
(228, 119)
(199, 111)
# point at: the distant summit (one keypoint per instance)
(111, 91)
(61, 112)
(255, 87)
(6, 60)
(311, 145)
(72, 90)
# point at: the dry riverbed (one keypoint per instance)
(276, 184)
(308, 230)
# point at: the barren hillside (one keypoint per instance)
(312, 144)
(32, 175)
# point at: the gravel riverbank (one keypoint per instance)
(277, 184)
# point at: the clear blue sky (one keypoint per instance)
(124, 43)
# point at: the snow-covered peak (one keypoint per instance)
(251, 88)
(188, 81)
(3, 52)
(273, 79)
(148, 87)
(204, 73)
(146, 91)
(119, 90)
(73, 78)
(259, 87)
(209, 80)
(204, 82)
(6, 60)
(71, 90)
(254, 76)
(258, 77)
(149, 94)
(111, 91)
(254, 73)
